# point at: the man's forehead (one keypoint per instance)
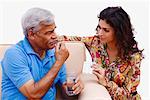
(50, 25)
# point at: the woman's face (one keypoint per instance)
(105, 32)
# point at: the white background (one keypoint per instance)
(78, 17)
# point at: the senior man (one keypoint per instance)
(33, 66)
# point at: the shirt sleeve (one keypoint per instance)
(132, 80)
(86, 40)
(15, 66)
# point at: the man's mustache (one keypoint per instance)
(53, 42)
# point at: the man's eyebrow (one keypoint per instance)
(52, 29)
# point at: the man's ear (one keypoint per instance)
(30, 34)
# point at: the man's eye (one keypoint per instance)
(46, 33)
(52, 31)
(49, 32)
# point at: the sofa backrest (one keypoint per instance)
(76, 58)
(3, 48)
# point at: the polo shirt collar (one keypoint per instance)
(51, 52)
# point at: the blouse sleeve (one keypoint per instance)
(128, 90)
(86, 40)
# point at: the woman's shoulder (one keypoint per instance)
(136, 57)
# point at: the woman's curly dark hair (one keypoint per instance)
(117, 18)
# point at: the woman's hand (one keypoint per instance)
(100, 73)
(98, 68)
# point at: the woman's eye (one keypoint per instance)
(106, 30)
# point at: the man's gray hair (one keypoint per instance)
(33, 17)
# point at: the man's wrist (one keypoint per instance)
(59, 63)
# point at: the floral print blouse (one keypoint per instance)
(122, 77)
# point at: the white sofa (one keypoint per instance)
(92, 90)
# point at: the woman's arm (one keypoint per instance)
(86, 40)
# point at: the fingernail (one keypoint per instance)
(74, 93)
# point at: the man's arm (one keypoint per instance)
(38, 89)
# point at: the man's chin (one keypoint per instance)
(51, 46)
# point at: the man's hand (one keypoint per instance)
(61, 53)
(78, 87)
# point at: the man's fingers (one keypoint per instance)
(76, 85)
(77, 90)
(77, 79)
(58, 46)
(63, 46)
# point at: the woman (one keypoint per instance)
(116, 54)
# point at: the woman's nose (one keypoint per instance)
(100, 32)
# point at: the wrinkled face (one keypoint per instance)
(105, 32)
(45, 38)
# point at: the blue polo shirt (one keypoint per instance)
(21, 64)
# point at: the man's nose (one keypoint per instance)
(54, 36)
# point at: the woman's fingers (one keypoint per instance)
(94, 66)
(101, 78)
(97, 74)
(99, 69)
